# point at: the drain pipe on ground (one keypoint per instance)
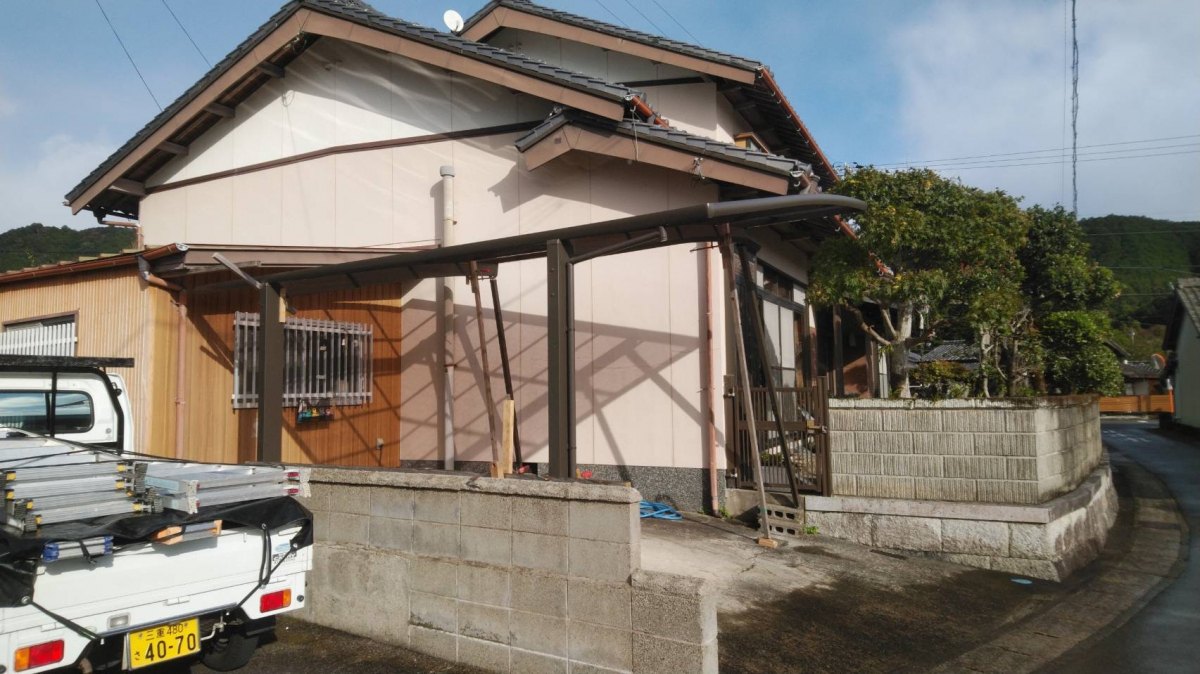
(447, 173)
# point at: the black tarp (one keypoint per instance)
(19, 554)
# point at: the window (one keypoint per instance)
(783, 323)
(30, 411)
(46, 336)
(323, 360)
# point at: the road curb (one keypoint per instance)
(1118, 588)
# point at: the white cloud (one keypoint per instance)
(979, 79)
(32, 188)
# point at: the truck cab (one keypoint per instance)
(78, 404)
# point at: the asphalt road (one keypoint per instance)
(1164, 636)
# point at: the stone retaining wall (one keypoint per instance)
(515, 575)
(1049, 541)
(990, 451)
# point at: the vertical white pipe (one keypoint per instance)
(447, 173)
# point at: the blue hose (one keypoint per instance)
(659, 511)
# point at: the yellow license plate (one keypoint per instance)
(165, 642)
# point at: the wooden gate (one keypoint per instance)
(809, 450)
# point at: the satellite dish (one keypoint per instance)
(454, 20)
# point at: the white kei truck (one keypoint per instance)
(137, 603)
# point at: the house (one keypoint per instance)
(1182, 341)
(336, 133)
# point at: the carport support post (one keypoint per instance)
(560, 336)
(772, 393)
(739, 341)
(269, 377)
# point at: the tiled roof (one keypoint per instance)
(617, 31)
(1140, 370)
(363, 13)
(670, 137)
(959, 351)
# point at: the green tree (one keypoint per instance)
(36, 244)
(927, 249)
(1077, 359)
(1061, 282)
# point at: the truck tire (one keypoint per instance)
(228, 651)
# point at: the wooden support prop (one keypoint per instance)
(487, 370)
(508, 427)
(764, 357)
(502, 341)
(739, 341)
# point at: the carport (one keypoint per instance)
(729, 225)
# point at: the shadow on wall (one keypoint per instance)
(616, 367)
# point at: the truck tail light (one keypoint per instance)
(38, 656)
(274, 601)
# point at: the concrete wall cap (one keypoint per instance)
(670, 583)
(457, 481)
(987, 512)
(1048, 402)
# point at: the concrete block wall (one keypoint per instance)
(988, 451)
(1049, 540)
(515, 575)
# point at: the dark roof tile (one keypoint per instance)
(361, 12)
(578, 21)
(668, 136)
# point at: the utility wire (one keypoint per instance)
(122, 43)
(614, 14)
(1074, 112)
(681, 26)
(1056, 163)
(955, 164)
(1149, 231)
(185, 32)
(1050, 149)
(660, 30)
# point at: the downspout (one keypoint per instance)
(447, 173)
(180, 301)
(707, 378)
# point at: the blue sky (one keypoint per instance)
(876, 82)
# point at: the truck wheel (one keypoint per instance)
(228, 651)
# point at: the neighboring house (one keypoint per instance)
(1182, 340)
(325, 137)
(952, 350)
(1141, 377)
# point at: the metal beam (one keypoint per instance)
(743, 373)
(772, 393)
(560, 335)
(220, 110)
(269, 69)
(269, 377)
(489, 399)
(504, 364)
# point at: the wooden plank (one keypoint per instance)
(508, 427)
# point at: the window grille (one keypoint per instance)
(323, 360)
(48, 337)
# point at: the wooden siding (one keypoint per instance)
(217, 432)
(118, 315)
